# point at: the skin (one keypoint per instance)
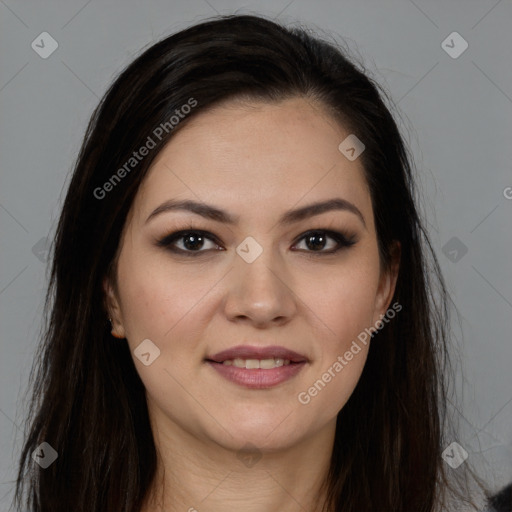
(256, 161)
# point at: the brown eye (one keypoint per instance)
(191, 241)
(194, 242)
(318, 240)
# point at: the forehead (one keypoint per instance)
(255, 154)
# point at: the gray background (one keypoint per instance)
(456, 113)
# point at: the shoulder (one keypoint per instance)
(502, 501)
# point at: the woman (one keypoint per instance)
(242, 309)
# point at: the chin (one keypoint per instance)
(262, 442)
(267, 436)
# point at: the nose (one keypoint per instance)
(261, 292)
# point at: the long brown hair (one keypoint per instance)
(88, 401)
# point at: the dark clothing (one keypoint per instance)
(501, 502)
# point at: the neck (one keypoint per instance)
(195, 476)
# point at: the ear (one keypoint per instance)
(113, 308)
(387, 283)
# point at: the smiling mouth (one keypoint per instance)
(257, 374)
(270, 356)
(257, 367)
(254, 364)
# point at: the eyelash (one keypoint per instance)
(344, 242)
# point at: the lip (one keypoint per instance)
(257, 378)
(252, 352)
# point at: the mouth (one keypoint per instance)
(257, 367)
(253, 353)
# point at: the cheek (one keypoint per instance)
(345, 303)
(345, 306)
(166, 306)
(153, 298)
(331, 391)
(170, 305)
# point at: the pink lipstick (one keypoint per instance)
(257, 367)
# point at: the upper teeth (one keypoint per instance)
(265, 364)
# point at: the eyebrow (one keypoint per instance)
(218, 215)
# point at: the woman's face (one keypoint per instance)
(258, 281)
